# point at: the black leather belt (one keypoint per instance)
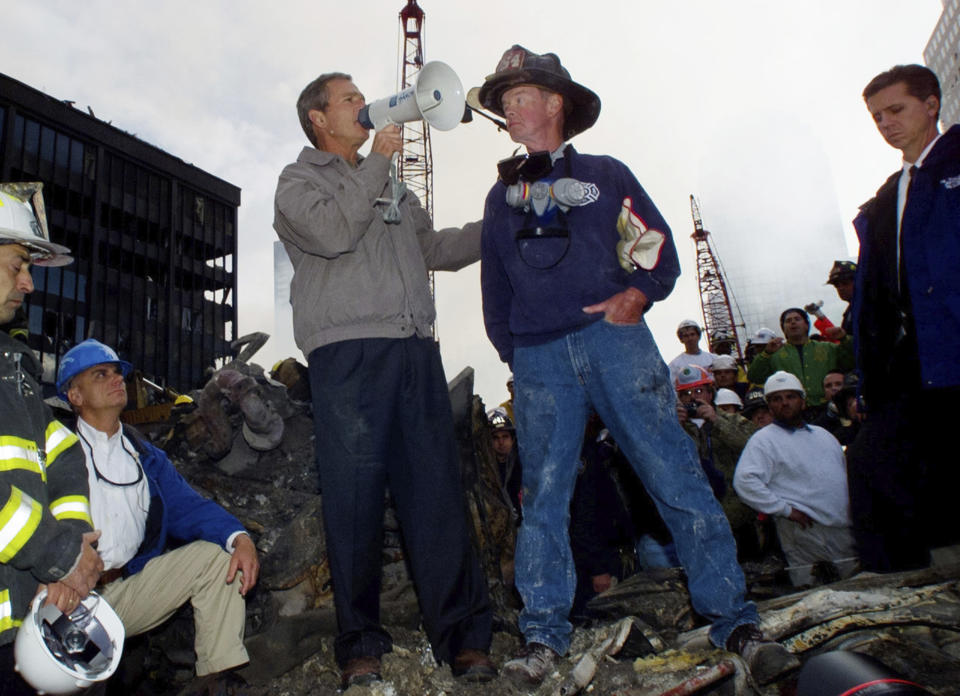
(108, 576)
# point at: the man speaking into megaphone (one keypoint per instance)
(363, 316)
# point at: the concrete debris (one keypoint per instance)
(209, 426)
(247, 442)
(246, 346)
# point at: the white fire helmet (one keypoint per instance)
(23, 221)
(782, 380)
(59, 654)
(728, 397)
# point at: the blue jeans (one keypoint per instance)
(653, 554)
(618, 371)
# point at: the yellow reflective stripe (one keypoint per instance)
(59, 438)
(14, 441)
(6, 612)
(72, 507)
(19, 453)
(18, 521)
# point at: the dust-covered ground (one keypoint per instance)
(409, 669)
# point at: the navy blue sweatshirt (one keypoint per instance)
(526, 300)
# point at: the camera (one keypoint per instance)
(691, 409)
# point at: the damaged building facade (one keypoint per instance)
(154, 238)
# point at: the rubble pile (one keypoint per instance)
(246, 441)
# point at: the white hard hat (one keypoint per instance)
(687, 324)
(763, 336)
(22, 221)
(59, 654)
(728, 397)
(724, 362)
(782, 381)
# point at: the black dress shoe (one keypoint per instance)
(473, 665)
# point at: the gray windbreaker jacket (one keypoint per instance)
(356, 276)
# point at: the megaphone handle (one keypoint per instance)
(392, 213)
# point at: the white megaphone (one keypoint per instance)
(437, 98)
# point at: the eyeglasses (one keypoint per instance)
(101, 477)
(531, 167)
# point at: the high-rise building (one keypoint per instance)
(942, 55)
(154, 238)
(775, 223)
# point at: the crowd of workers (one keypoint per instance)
(567, 274)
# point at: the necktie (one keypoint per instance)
(902, 268)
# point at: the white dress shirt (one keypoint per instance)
(119, 511)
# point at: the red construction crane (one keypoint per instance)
(714, 298)
(415, 166)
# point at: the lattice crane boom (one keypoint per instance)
(415, 165)
(714, 298)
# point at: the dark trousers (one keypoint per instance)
(903, 476)
(382, 418)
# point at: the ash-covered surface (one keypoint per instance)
(248, 445)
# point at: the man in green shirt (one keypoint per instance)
(809, 361)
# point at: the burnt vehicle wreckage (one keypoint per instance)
(246, 440)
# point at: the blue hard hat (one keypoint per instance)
(83, 356)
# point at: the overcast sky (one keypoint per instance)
(694, 95)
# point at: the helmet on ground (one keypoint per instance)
(60, 654)
(499, 420)
(724, 362)
(728, 397)
(691, 376)
(689, 324)
(83, 356)
(23, 221)
(782, 380)
(842, 270)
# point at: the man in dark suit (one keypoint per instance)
(906, 316)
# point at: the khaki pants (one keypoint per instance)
(804, 547)
(195, 572)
